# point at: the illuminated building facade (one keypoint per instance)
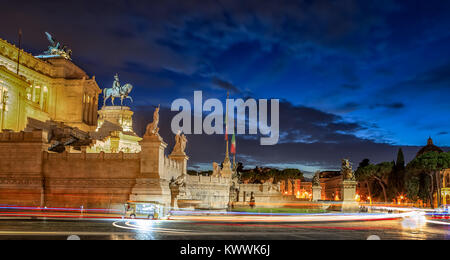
(51, 88)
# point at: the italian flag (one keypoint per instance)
(233, 144)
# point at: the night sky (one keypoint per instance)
(356, 79)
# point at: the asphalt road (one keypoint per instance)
(103, 229)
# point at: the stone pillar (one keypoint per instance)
(317, 193)
(182, 159)
(151, 185)
(348, 194)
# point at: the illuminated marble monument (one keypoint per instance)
(316, 188)
(348, 189)
(115, 123)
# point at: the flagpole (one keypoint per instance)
(20, 46)
(227, 156)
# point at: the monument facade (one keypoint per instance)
(46, 87)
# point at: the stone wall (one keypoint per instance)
(31, 176)
(91, 180)
(266, 195)
(21, 181)
(213, 192)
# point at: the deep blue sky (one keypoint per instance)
(357, 78)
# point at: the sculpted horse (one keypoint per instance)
(122, 93)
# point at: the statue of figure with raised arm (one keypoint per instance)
(152, 128)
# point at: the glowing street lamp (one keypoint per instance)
(400, 199)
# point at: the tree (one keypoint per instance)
(192, 172)
(293, 174)
(364, 163)
(379, 173)
(240, 167)
(400, 163)
(397, 178)
(261, 175)
(360, 177)
(430, 164)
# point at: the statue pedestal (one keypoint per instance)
(182, 158)
(348, 192)
(118, 115)
(151, 184)
(151, 190)
(115, 131)
(317, 193)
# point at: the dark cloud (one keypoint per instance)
(396, 105)
(348, 107)
(225, 85)
(305, 124)
(435, 79)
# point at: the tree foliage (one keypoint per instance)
(379, 173)
(423, 178)
(261, 175)
(396, 180)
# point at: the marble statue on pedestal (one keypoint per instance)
(180, 144)
(152, 128)
(348, 189)
(216, 170)
(316, 187)
(347, 171)
(316, 179)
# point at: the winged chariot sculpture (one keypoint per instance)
(57, 49)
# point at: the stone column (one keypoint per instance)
(85, 108)
(151, 186)
(90, 111)
(94, 112)
(182, 159)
